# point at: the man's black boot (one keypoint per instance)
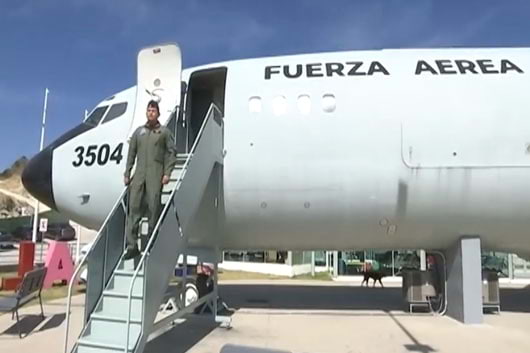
(131, 253)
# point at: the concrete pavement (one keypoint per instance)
(310, 317)
(43, 336)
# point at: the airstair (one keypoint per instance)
(123, 297)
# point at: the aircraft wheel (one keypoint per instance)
(192, 294)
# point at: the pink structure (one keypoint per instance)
(59, 263)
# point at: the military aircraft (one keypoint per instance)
(357, 149)
(389, 149)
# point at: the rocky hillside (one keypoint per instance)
(15, 170)
(13, 196)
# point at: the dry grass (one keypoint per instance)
(241, 275)
(7, 274)
(319, 276)
(14, 184)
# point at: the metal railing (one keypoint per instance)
(84, 259)
(213, 113)
(107, 271)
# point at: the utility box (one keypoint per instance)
(491, 300)
(418, 287)
(26, 256)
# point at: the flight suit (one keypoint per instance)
(155, 154)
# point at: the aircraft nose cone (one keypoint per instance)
(37, 177)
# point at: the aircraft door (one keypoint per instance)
(205, 87)
(158, 78)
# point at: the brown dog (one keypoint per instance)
(376, 276)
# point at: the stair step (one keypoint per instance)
(170, 186)
(120, 294)
(121, 282)
(118, 306)
(88, 344)
(181, 160)
(103, 317)
(91, 349)
(112, 332)
(123, 272)
(129, 265)
(176, 173)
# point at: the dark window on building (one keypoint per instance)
(95, 117)
(115, 111)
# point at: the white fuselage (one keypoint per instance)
(400, 151)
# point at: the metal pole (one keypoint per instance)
(36, 213)
(335, 264)
(41, 250)
(393, 264)
(78, 244)
(510, 266)
(423, 262)
(312, 264)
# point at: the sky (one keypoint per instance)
(85, 50)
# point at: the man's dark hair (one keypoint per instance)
(154, 104)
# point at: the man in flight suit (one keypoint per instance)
(153, 149)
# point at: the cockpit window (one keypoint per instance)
(115, 111)
(95, 117)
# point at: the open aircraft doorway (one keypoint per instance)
(205, 87)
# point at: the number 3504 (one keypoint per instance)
(100, 154)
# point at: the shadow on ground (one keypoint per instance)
(28, 324)
(379, 301)
(303, 297)
(54, 322)
(184, 336)
(515, 300)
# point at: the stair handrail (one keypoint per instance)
(82, 262)
(212, 108)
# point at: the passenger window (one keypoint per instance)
(115, 111)
(279, 105)
(254, 104)
(328, 103)
(95, 117)
(304, 104)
